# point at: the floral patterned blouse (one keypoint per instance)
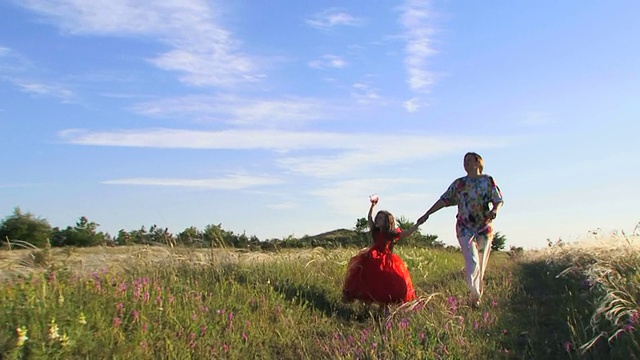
(473, 196)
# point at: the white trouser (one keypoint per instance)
(475, 263)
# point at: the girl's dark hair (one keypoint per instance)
(389, 225)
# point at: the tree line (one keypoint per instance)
(36, 231)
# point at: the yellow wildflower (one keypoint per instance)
(22, 335)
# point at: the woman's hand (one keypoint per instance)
(492, 214)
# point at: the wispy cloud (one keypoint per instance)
(262, 113)
(350, 152)
(349, 197)
(363, 93)
(192, 139)
(18, 71)
(202, 50)
(333, 17)
(418, 36)
(328, 61)
(231, 182)
(402, 149)
(11, 61)
(56, 91)
(412, 105)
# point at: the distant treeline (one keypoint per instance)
(26, 227)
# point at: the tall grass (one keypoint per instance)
(153, 303)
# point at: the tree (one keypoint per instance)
(417, 238)
(25, 227)
(499, 241)
(362, 225)
(190, 236)
(83, 234)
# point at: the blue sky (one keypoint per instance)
(281, 118)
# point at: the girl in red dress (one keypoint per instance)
(376, 274)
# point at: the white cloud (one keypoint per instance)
(191, 139)
(332, 17)
(19, 72)
(328, 61)
(368, 151)
(202, 50)
(350, 152)
(57, 91)
(231, 182)
(350, 197)
(412, 105)
(262, 113)
(363, 93)
(418, 32)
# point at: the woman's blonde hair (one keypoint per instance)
(478, 159)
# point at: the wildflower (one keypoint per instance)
(60, 298)
(82, 320)
(64, 340)
(119, 308)
(135, 314)
(568, 346)
(53, 330)
(444, 349)
(389, 325)
(116, 322)
(245, 337)
(453, 304)
(22, 335)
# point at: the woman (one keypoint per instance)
(376, 274)
(472, 194)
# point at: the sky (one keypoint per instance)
(280, 118)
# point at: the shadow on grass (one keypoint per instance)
(318, 298)
(539, 313)
(304, 294)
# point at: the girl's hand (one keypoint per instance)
(374, 199)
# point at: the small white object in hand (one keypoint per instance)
(374, 198)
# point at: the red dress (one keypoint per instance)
(376, 274)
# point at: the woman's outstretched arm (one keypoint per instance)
(435, 207)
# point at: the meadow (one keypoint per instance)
(151, 302)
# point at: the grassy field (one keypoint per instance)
(566, 302)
